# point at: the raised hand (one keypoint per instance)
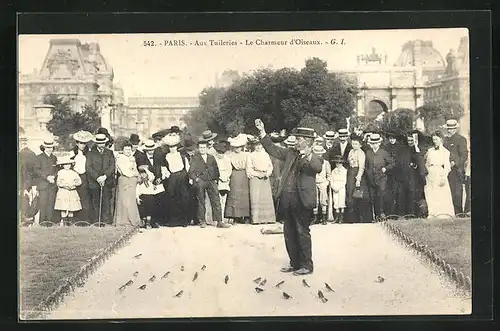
(260, 125)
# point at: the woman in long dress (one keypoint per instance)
(358, 208)
(177, 193)
(238, 199)
(437, 189)
(259, 168)
(126, 211)
(82, 138)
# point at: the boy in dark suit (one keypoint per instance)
(100, 167)
(297, 195)
(204, 175)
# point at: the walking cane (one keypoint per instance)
(100, 207)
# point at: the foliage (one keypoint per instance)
(363, 123)
(435, 114)
(65, 121)
(318, 124)
(119, 142)
(203, 117)
(399, 121)
(281, 98)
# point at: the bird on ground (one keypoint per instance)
(279, 284)
(262, 283)
(322, 297)
(380, 279)
(195, 276)
(286, 295)
(142, 287)
(305, 283)
(122, 288)
(165, 275)
(226, 279)
(257, 280)
(152, 279)
(329, 288)
(182, 268)
(258, 290)
(136, 273)
(129, 283)
(178, 295)
(138, 256)
(203, 267)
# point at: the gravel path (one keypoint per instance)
(348, 257)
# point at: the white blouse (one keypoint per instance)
(175, 162)
(259, 163)
(126, 166)
(80, 160)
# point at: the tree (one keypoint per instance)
(203, 117)
(399, 121)
(65, 121)
(282, 98)
(435, 114)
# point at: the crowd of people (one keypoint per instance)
(358, 177)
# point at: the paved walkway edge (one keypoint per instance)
(457, 278)
(68, 285)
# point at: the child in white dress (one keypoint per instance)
(322, 180)
(67, 198)
(338, 182)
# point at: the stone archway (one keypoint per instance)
(375, 108)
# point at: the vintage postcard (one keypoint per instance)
(249, 174)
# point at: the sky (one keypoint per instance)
(183, 71)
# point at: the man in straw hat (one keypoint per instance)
(101, 168)
(297, 195)
(209, 138)
(45, 173)
(457, 145)
(329, 138)
(342, 147)
(27, 185)
(378, 163)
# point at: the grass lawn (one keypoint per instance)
(47, 255)
(451, 240)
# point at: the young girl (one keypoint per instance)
(67, 198)
(338, 182)
(322, 179)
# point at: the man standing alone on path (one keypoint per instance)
(297, 195)
(457, 145)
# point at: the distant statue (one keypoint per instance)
(451, 67)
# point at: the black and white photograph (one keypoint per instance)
(244, 174)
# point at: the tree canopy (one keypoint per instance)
(282, 98)
(65, 121)
(435, 114)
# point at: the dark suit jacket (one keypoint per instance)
(457, 145)
(27, 164)
(208, 171)
(98, 164)
(159, 160)
(374, 164)
(45, 166)
(140, 157)
(307, 170)
(144, 160)
(335, 150)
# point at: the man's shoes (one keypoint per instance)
(302, 272)
(288, 269)
(223, 225)
(203, 224)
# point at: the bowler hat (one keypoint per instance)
(189, 144)
(221, 146)
(305, 132)
(134, 139)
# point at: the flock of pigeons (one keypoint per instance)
(261, 282)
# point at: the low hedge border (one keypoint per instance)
(457, 277)
(68, 285)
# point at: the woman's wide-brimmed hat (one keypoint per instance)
(238, 141)
(291, 140)
(134, 139)
(221, 146)
(374, 138)
(343, 133)
(148, 145)
(83, 136)
(207, 135)
(160, 134)
(319, 149)
(305, 132)
(65, 160)
(100, 138)
(451, 124)
(171, 140)
(48, 142)
(329, 135)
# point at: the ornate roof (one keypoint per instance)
(422, 54)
